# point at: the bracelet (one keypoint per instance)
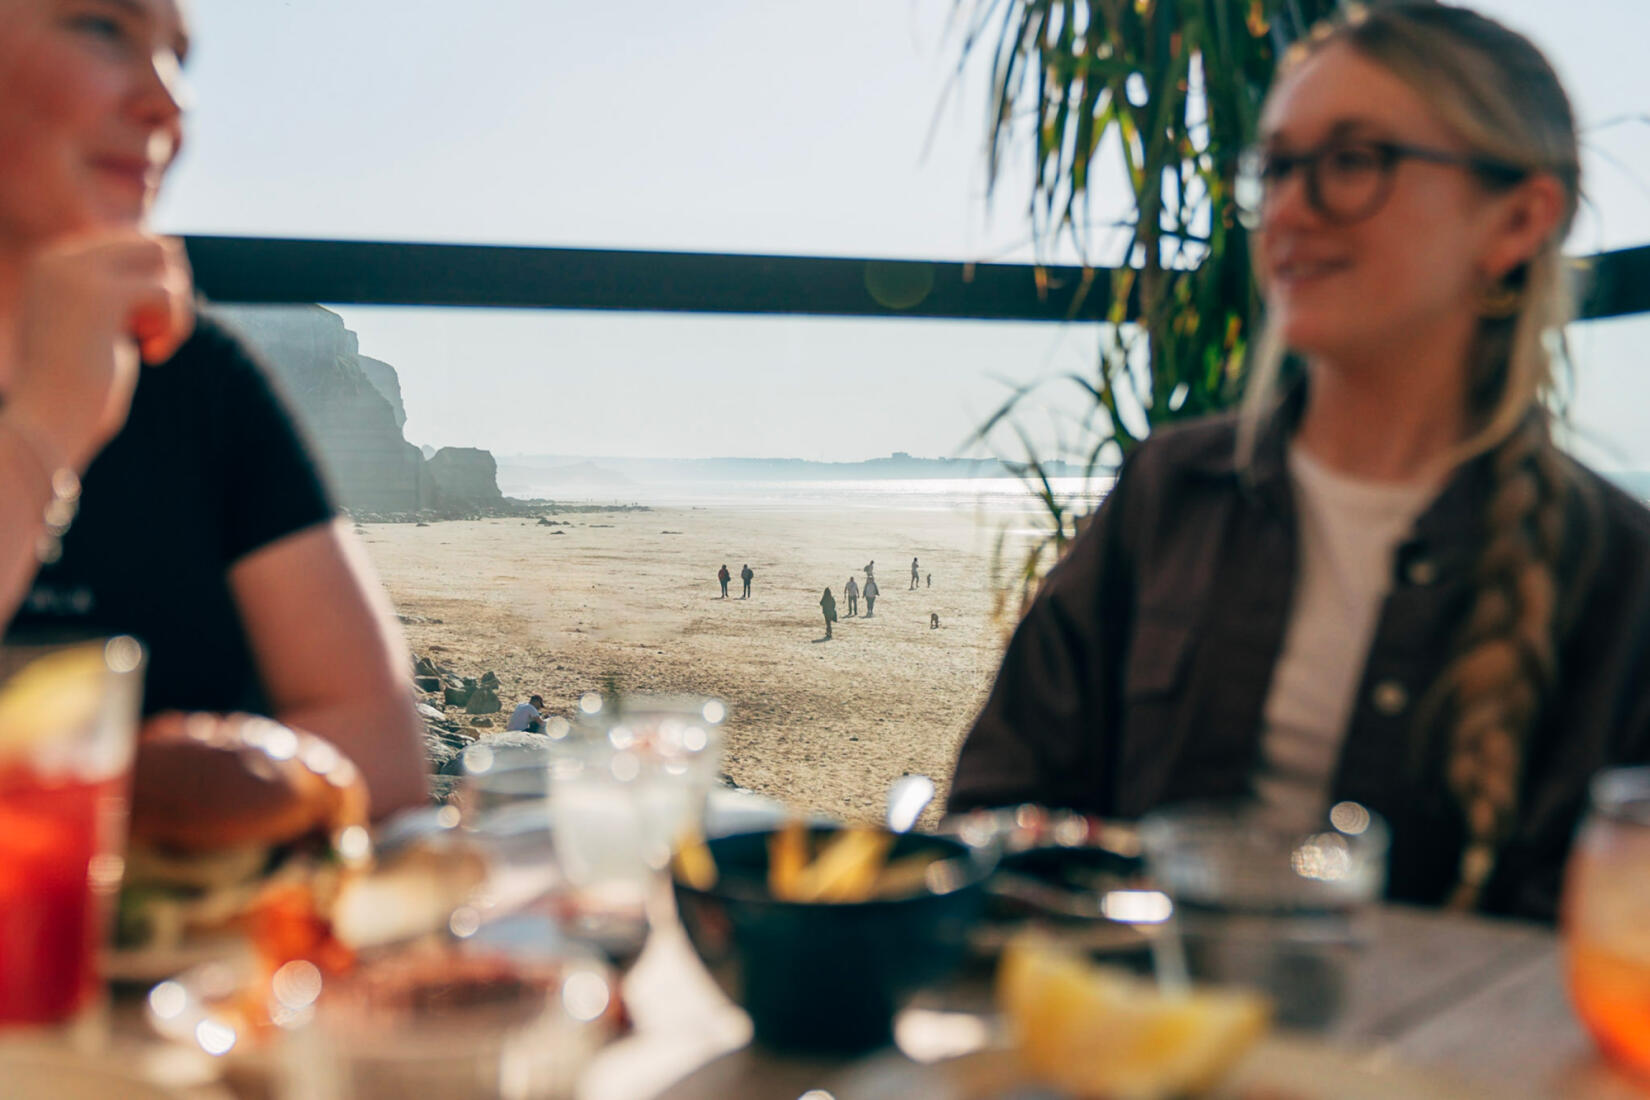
(64, 502)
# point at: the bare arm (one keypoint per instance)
(25, 491)
(331, 655)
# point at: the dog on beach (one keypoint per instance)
(933, 620)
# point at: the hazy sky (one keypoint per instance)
(723, 125)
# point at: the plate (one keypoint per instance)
(44, 1071)
(1280, 1068)
(149, 965)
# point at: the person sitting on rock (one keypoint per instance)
(528, 717)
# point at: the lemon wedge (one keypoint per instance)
(50, 696)
(1103, 1034)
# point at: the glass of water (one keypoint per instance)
(1268, 901)
(625, 788)
(505, 789)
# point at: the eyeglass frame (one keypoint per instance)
(1391, 155)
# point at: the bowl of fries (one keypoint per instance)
(823, 933)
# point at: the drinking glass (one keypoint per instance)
(1266, 900)
(503, 806)
(627, 785)
(1606, 918)
(468, 1021)
(505, 790)
(68, 722)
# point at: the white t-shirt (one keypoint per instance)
(523, 717)
(1348, 532)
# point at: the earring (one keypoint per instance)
(1501, 301)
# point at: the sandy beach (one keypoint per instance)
(632, 598)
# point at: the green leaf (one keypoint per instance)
(1188, 261)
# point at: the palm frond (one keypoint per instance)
(1197, 71)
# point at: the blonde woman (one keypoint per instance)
(1382, 581)
(202, 525)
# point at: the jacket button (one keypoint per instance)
(1389, 698)
(1422, 572)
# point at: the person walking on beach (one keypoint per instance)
(827, 604)
(745, 575)
(915, 575)
(724, 576)
(851, 590)
(930, 580)
(870, 567)
(870, 591)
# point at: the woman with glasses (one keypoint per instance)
(1381, 581)
(202, 526)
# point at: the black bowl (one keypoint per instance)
(828, 978)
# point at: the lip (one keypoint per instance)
(136, 173)
(1299, 270)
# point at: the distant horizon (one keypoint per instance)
(901, 456)
(552, 474)
(434, 124)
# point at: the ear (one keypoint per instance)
(1521, 221)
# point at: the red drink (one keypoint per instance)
(53, 889)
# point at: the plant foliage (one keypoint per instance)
(1154, 99)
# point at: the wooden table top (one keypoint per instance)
(1479, 1001)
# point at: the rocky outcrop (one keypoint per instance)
(386, 382)
(483, 700)
(354, 425)
(466, 477)
(451, 727)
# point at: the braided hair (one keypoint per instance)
(1501, 95)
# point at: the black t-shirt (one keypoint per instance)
(209, 467)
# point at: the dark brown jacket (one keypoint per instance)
(1139, 675)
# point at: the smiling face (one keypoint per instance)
(1414, 265)
(90, 113)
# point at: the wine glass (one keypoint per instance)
(1606, 917)
(626, 787)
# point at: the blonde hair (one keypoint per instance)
(1501, 96)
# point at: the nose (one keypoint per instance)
(159, 101)
(1287, 202)
(162, 95)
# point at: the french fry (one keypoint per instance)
(905, 877)
(694, 863)
(846, 868)
(787, 856)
